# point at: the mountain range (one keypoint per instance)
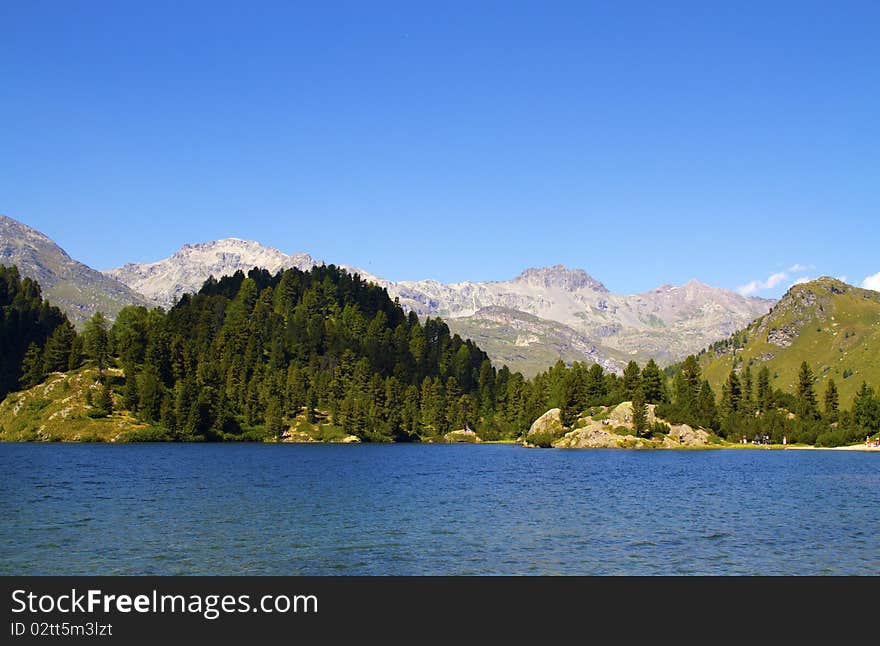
(527, 323)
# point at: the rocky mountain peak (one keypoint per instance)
(166, 280)
(561, 276)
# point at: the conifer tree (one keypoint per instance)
(56, 354)
(103, 402)
(731, 396)
(806, 394)
(274, 423)
(832, 402)
(763, 392)
(32, 367)
(640, 412)
(747, 404)
(96, 340)
(595, 385)
(652, 383)
(631, 379)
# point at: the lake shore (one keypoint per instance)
(852, 447)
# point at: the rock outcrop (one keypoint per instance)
(684, 435)
(611, 430)
(548, 423)
(621, 415)
(463, 435)
(597, 435)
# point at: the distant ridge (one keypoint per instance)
(76, 288)
(545, 313)
(542, 315)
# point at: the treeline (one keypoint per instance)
(248, 356)
(747, 405)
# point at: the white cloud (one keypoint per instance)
(801, 280)
(872, 282)
(757, 285)
(843, 279)
(796, 267)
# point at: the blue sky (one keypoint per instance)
(455, 141)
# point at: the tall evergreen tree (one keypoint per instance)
(96, 340)
(56, 355)
(631, 379)
(706, 410)
(764, 393)
(806, 393)
(32, 367)
(640, 412)
(652, 383)
(595, 386)
(274, 423)
(731, 397)
(832, 402)
(747, 405)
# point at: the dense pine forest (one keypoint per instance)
(34, 336)
(250, 356)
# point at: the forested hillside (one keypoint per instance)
(27, 322)
(325, 355)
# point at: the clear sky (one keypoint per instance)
(646, 144)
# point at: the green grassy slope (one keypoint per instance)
(56, 410)
(833, 326)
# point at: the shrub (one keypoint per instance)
(658, 428)
(831, 438)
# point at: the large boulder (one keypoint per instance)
(622, 414)
(550, 423)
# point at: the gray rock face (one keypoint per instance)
(72, 286)
(783, 336)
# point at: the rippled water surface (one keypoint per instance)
(434, 509)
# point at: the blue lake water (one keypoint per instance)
(434, 509)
